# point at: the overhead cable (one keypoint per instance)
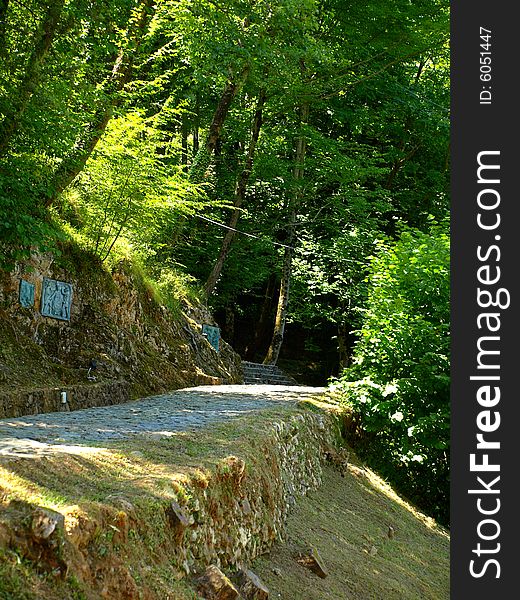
(252, 235)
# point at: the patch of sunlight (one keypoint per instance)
(161, 433)
(141, 472)
(383, 487)
(27, 448)
(15, 487)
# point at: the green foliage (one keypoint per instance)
(329, 274)
(21, 226)
(11, 583)
(175, 287)
(128, 188)
(399, 383)
(102, 136)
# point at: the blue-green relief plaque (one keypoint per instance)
(26, 294)
(56, 299)
(212, 334)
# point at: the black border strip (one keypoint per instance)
(478, 127)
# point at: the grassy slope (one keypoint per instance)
(344, 519)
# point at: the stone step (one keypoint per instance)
(267, 369)
(260, 368)
(270, 380)
(267, 375)
(257, 373)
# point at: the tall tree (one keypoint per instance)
(298, 173)
(43, 39)
(4, 5)
(231, 89)
(240, 193)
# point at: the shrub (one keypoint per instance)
(398, 385)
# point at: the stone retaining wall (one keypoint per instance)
(116, 319)
(243, 509)
(32, 402)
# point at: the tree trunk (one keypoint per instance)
(203, 157)
(211, 282)
(263, 321)
(196, 125)
(230, 91)
(31, 79)
(343, 354)
(119, 77)
(4, 5)
(283, 299)
(230, 324)
(398, 165)
(240, 192)
(184, 143)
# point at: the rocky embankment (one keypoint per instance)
(138, 345)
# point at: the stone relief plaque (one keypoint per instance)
(212, 334)
(56, 299)
(26, 294)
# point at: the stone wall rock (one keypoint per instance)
(35, 401)
(243, 509)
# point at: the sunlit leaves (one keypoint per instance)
(128, 186)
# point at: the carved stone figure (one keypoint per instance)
(212, 334)
(56, 299)
(26, 293)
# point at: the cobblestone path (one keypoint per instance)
(162, 415)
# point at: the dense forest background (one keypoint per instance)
(285, 161)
